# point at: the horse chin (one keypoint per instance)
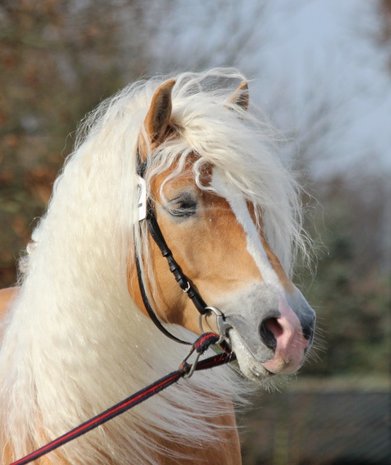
(253, 369)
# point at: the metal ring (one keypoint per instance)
(219, 314)
(193, 367)
(215, 310)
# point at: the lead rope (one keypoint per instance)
(185, 370)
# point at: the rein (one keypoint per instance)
(185, 370)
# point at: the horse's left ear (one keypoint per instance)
(157, 120)
(240, 96)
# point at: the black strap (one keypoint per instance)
(184, 282)
(180, 277)
(150, 310)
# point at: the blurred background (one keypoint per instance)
(321, 72)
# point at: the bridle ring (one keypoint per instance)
(219, 314)
(215, 310)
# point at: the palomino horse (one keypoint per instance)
(76, 336)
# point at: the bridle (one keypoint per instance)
(183, 281)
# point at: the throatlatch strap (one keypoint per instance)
(151, 311)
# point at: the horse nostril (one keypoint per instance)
(308, 329)
(268, 330)
(307, 332)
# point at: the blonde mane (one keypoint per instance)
(74, 342)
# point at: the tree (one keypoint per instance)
(385, 35)
(351, 290)
(58, 59)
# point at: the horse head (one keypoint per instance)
(218, 232)
(221, 212)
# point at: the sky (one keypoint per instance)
(314, 65)
(329, 52)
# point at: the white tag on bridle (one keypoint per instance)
(141, 198)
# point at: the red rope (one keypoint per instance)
(200, 346)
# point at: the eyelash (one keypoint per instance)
(183, 208)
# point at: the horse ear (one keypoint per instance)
(158, 117)
(240, 96)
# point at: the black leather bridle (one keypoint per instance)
(183, 281)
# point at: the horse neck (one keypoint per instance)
(73, 316)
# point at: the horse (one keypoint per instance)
(76, 334)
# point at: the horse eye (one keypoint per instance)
(183, 206)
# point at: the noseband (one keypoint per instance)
(183, 281)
